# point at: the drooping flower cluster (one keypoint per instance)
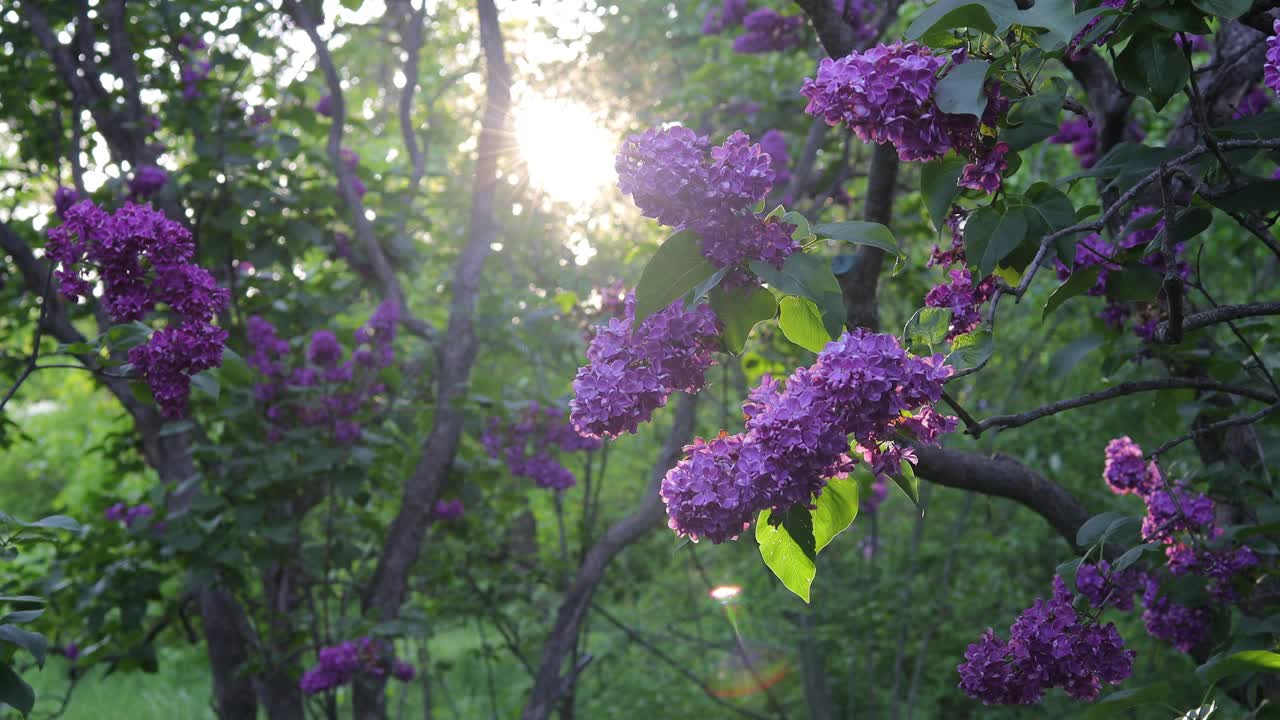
(147, 181)
(728, 14)
(886, 95)
(1271, 66)
(145, 260)
(193, 69)
(797, 436)
(529, 444)
(339, 664)
(1049, 646)
(320, 388)
(446, 510)
(1183, 521)
(1105, 588)
(674, 176)
(126, 514)
(959, 295)
(630, 373)
(767, 31)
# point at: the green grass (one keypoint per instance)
(179, 690)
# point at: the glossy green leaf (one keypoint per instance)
(927, 328)
(938, 186)
(14, 692)
(1078, 284)
(674, 270)
(960, 92)
(991, 234)
(1249, 661)
(739, 312)
(1190, 223)
(801, 321)
(808, 276)
(835, 510)
(803, 233)
(1152, 66)
(907, 481)
(1118, 702)
(861, 233)
(791, 562)
(970, 349)
(949, 14)
(33, 643)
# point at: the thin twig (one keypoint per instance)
(1212, 427)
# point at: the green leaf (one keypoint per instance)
(803, 233)
(1131, 556)
(949, 14)
(801, 322)
(970, 349)
(938, 186)
(21, 616)
(1226, 9)
(739, 314)
(1078, 284)
(862, 233)
(908, 483)
(56, 522)
(808, 276)
(1035, 118)
(1190, 223)
(14, 692)
(1110, 526)
(1257, 194)
(235, 372)
(1118, 702)
(784, 555)
(1152, 66)
(706, 286)
(33, 643)
(674, 270)
(1134, 283)
(927, 328)
(1066, 359)
(206, 383)
(835, 510)
(1240, 663)
(990, 235)
(960, 92)
(1049, 207)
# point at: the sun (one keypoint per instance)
(569, 154)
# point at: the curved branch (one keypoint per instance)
(1004, 477)
(1115, 391)
(547, 686)
(1214, 427)
(1225, 313)
(346, 184)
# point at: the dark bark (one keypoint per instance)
(233, 692)
(860, 284)
(549, 683)
(388, 588)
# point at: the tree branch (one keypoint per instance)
(545, 694)
(1225, 313)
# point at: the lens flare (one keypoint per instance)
(568, 153)
(725, 593)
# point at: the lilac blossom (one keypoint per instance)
(147, 181)
(1105, 588)
(1180, 626)
(337, 665)
(767, 31)
(446, 510)
(529, 443)
(1271, 64)
(986, 172)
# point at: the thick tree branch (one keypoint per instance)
(1225, 313)
(1004, 477)
(1115, 391)
(577, 600)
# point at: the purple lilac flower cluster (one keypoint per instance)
(321, 388)
(337, 665)
(147, 181)
(193, 70)
(1271, 66)
(63, 198)
(1105, 588)
(886, 95)
(675, 177)
(767, 31)
(1173, 512)
(1049, 646)
(1254, 102)
(528, 445)
(446, 510)
(324, 106)
(1095, 251)
(144, 260)
(959, 294)
(774, 144)
(123, 513)
(630, 373)
(351, 161)
(797, 436)
(1079, 133)
(728, 14)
